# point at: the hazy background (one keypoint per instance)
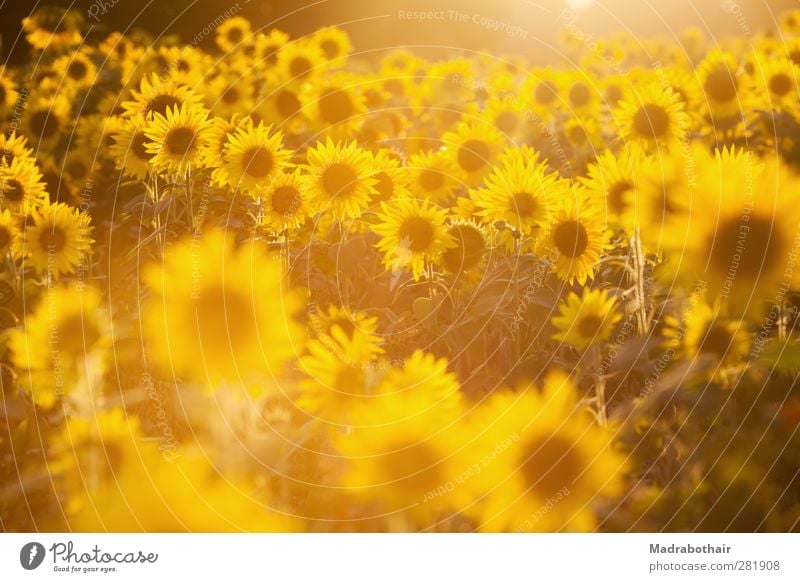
(376, 24)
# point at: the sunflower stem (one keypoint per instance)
(638, 259)
(599, 387)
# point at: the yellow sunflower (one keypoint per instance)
(77, 69)
(254, 156)
(718, 75)
(333, 42)
(232, 33)
(777, 79)
(335, 104)
(652, 117)
(65, 336)
(177, 140)
(285, 204)
(218, 314)
(470, 248)
(340, 178)
(521, 195)
(350, 335)
(130, 151)
(300, 60)
(473, 149)
(9, 95)
(539, 450)
(58, 240)
(575, 240)
(53, 27)
(587, 319)
(612, 180)
(13, 146)
(413, 233)
(742, 240)
(156, 95)
(391, 179)
(21, 185)
(432, 175)
(9, 234)
(46, 120)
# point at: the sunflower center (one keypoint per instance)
(545, 93)
(417, 233)
(77, 70)
(721, 84)
(160, 103)
(76, 169)
(183, 66)
(716, 340)
(571, 238)
(230, 95)
(339, 179)
(651, 121)
(385, 186)
(747, 251)
(330, 48)
(3, 93)
(550, 463)
(349, 380)
(45, 123)
(524, 204)
(76, 335)
(287, 104)
(285, 200)
(473, 155)
(53, 239)
(394, 86)
(225, 315)
(580, 95)
(258, 162)
(507, 122)
(413, 467)
(589, 325)
(139, 148)
(13, 191)
(180, 140)
(300, 67)
(613, 95)
(780, 84)
(616, 195)
(335, 106)
(795, 56)
(430, 179)
(235, 35)
(469, 249)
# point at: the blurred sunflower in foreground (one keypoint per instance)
(280, 285)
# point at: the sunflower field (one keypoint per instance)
(276, 284)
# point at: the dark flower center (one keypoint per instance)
(570, 238)
(339, 179)
(473, 155)
(417, 233)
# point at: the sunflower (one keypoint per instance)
(232, 33)
(186, 65)
(52, 27)
(351, 335)
(13, 146)
(9, 234)
(58, 240)
(333, 42)
(156, 95)
(336, 104)
(581, 93)
(742, 241)
(575, 240)
(432, 176)
(340, 178)
(230, 94)
(285, 204)
(218, 314)
(777, 80)
(719, 79)
(472, 149)
(587, 319)
(21, 185)
(178, 139)
(46, 120)
(392, 179)
(403, 439)
(283, 107)
(111, 467)
(612, 180)
(544, 91)
(705, 331)
(299, 60)
(544, 450)
(521, 195)
(68, 331)
(253, 157)
(267, 46)
(412, 234)
(469, 250)
(506, 115)
(96, 133)
(652, 117)
(78, 69)
(9, 95)
(130, 150)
